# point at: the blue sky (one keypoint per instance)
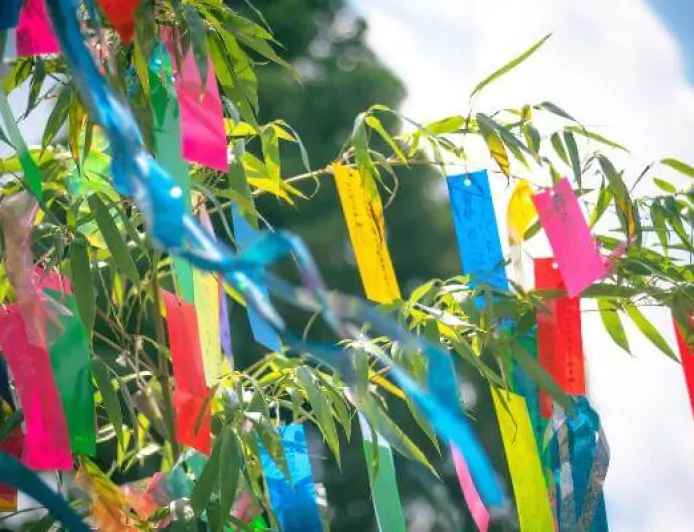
(626, 68)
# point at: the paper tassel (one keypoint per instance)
(202, 115)
(35, 34)
(384, 486)
(292, 501)
(560, 347)
(529, 489)
(190, 387)
(574, 247)
(363, 213)
(687, 360)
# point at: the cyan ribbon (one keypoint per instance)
(162, 202)
(293, 500)
(577, 453)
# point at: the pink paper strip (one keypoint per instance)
(575, 249)
(474, 503)
(35, 35)
(47, 445)
(202, 116)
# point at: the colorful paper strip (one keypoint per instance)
(121, 13)
(202, 115)
(687, 360)
(529, 489)
(560, 347)
(35, 34)
(476, 229)
(292, 501)
(72, 370)
(574, 247)
(190, 387)
(384, 486)
(363, 213)
(47, 443)
(207, 311)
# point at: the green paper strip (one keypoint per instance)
(14, 474)
(32, 173)
(168, 151)
(72, 369)
(384, 487)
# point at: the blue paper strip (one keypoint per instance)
(9, 14)
(245, 237)
(294, 503)
(476, 229)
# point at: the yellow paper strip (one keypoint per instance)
(529, 488)
(206, 290)
(521, 212)
(363, 212)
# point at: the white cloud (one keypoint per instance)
(614, 66)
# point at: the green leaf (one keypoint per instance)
(613, 323)
(451, 124)
(113, 238)
(555, 109)
(510, 65)
(604, 199)
(559, 147)
(496, 146)
(82, 283)
(198, 40)
(649, 331)
(228, 474)
(321, 408)
(375, 124)
(626, 210)
(206, 482)
(570, 143)
(681, 167)
(271, 153)
(109, 398)
(57, 117)
(665, 186)
(595, 136)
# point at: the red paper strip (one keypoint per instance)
(35, 35)
(190, 388)
(47, 445)
(560, 347)
(13, 445)
(121, 13)
(574, 247)
(687, 359)
(202, 116)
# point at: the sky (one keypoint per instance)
(626, 68)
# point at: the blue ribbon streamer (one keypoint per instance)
(137, 174)
(293, 501)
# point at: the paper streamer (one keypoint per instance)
(29, 483)
(34, 32)
(245, 236)
(47, 443)
(9, 14)
(560, 347)
(202, 115)
(529, 489)
(574, 247)
(225, 326)
(72, 370)
(121, 13)
(363, 213)
(476, 229)
(578, 455)
(293, 502)
(687, 360)
(190, 387)
(521, 212)
(384, 486)
(168, 148)
(525, 386)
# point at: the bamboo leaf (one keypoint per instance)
(555, 109)
(228, 474)
(613, 324)
(596, 137)
(494, 143)
(649, 331)
(681, 167)
(206, 482)
(321, 408)
(375, 124)
(109, 398)
(572, 148)
(555, 139)
(510, 65)
(626, 210)
(271, 153)
(82, 283)
(57, 117)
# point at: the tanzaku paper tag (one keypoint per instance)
(47, 443)
(687, 359)
(529, 489)
(292, 501)
(476, 229)
(121, 13)
(363, 213)
(35, 35)
(207, 311)
(560, 346)
(190, 387)
(202, 116)
(384, 486)
(521, 212)
(574, 247)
